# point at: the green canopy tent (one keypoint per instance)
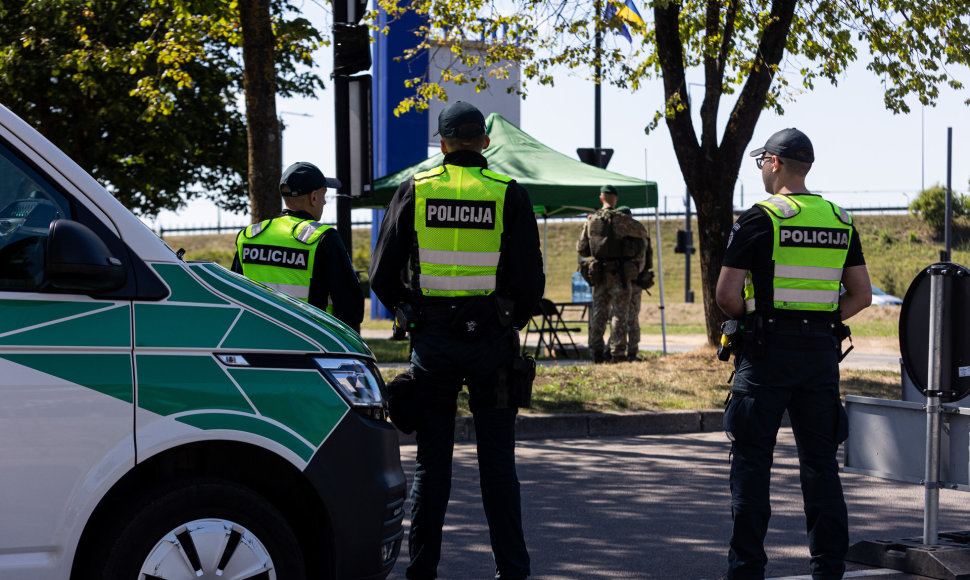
(558, 184)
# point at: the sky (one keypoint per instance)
(865, 155)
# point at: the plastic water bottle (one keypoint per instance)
(581, 290)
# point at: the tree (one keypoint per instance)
(931, 206)
(751, 52)
(143, 93)
(259, 80)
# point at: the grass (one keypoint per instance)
(897, 247)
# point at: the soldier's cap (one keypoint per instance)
(625, 209)
(462, 120)
(302, 178)
(790, 143)
(610, 190)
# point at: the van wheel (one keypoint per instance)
(204, 529)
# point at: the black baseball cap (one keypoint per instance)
(610, 190)
(302, 178)
(790, 143)
(461, 119)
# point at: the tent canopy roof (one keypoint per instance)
(558, 184)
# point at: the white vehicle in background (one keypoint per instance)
(880, 298)
(173, 420)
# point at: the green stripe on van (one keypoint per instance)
(302, 400)
(170, 384)
(185, 288)
(107, 328)
(109, 374)
(174, 326)
(254, 332)
(278, 308)
(16, 314)
(249, 424)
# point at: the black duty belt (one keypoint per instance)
(801, 325)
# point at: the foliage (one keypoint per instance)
(143, 93)
(931, 206)
(756, 54)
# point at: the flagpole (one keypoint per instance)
(597, 142)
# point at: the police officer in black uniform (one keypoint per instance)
(785, 259)
(460, 246)
(331, 284)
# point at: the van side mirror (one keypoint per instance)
(78, 261)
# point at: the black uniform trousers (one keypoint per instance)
(441, 360)
(797, 372)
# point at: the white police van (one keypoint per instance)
(167, 420)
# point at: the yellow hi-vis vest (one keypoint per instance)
(280, 254)
(458, 220)
(811, 242)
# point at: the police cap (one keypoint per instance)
(461, 120)
(790, 143)
(302, 178)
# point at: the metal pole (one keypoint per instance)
(660, 265)
(597, 134)
(949, 191)
(687, 249)
(931, 478)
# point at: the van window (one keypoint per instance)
(28, 204)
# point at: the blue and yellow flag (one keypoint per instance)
(627, 11)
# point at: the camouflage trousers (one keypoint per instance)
(633, 323)
(607, 299)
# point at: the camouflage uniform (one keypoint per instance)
(613, 294)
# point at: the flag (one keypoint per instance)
(627, 11)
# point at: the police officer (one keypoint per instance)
(299, 256)
(616, 243)
(785, 260)
(460, 244)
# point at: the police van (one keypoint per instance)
(169, 420)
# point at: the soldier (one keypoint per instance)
(616, 244)
(642, 283)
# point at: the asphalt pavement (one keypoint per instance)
(658, 507)
(645, 496)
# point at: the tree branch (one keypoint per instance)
(744, 117)
(670, 51)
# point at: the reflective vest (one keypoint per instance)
(811, 242)
(280, 253)
(458, 222)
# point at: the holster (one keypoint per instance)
(402, 402)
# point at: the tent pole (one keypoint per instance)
(660, 260)
(545, 249)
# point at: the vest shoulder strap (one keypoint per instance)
(496, 176)
(435, 172)
(844, 216)
(309, 232)
(781, 206)
(256, 229)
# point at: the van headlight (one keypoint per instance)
(357, 383)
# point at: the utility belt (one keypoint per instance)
(804, 326)
(512, 388)
(752, 334)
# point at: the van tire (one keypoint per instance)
(207, 505)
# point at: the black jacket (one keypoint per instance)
(333, 275)
(520, 270)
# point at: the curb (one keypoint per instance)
(581, 425)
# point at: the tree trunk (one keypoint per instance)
(263, 127)
(715, 217)
(710, 169)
